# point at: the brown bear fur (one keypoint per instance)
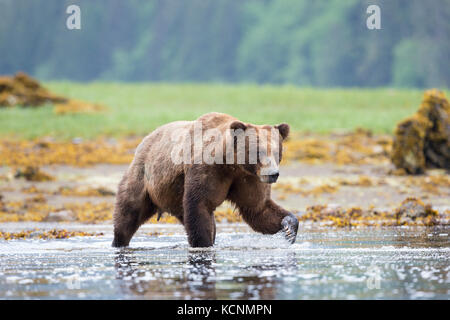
(191, 192)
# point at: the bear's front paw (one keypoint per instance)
(289, 225)
(119, 241)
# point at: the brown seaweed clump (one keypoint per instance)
(412, 209)
(26, 91)
(23, 153)
(23, 90)
(358, 147)
(77, 106)
(33, 173)
(423, 140)
(50, 234)
(411, 212)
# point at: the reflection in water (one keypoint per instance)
(425, 237)
(266, 276)
(198, 279)
(200, 275)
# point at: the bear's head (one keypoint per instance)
(258, 149)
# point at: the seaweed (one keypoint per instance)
(23, 90)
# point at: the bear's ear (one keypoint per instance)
(235, 125)
(284, 130)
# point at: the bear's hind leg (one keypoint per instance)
(130, 212)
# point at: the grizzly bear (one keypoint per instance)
(180, 170)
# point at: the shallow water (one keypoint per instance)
(386, 263)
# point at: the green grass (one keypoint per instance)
(140, 108)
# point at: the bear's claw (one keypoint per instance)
(289, 225)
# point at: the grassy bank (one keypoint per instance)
(139, 108)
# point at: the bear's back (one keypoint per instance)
(216, 120)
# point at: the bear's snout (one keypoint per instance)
(270, 178)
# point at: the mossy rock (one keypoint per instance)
(423, 140)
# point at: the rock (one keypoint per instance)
(32, 173)
(412, 209)
(423, 140)
(105, 192)
(63, 215)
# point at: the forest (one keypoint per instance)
(322, 43)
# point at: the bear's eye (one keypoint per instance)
(260, 157)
